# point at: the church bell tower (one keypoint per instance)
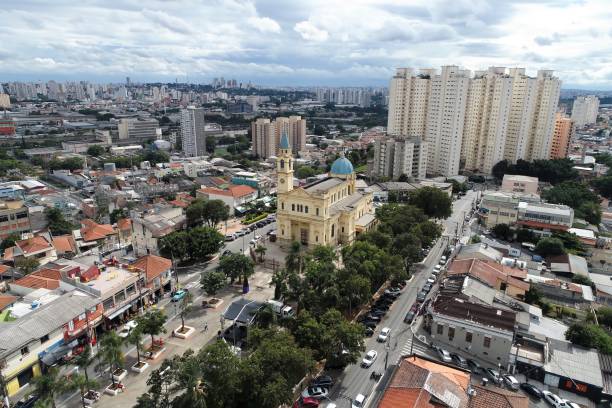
(284, 166)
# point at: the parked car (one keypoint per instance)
(306, 403)
(369, 359)
(378, 312)
(384, 335)
(127, 328)
(409, 317)
(531, 390)
(421, 296)
(571, 404)
(230, 237)
(393, 291)
(474, 366)
(315, 392)
(370, 323)
(359, 401)
(427, 288)
(27, 403)
(373, 317)
(459, 360)
(554, 400)
(442, 260)
(431, 281)
(444, 355)
(324, 381)
(226, 252)
(179, 295)
(511, 382)
(369, 332)
(493, 375)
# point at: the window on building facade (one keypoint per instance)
(440, 329)
(282, 206)
(44, 339)
(468, 337)
(306, 209)
(486, 342)
(25, 351)
(451, 333)
(282, 164)
(317, 211)
(292, 207)
(333, 230)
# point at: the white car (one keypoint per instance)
(127, 328)
(384, 334)
(444, 355)
(554, 400)
(511, 382)
(315, 392)
(369, 359)
(359, 401)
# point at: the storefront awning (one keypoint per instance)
(119, 311)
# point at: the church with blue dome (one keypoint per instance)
(329, 211)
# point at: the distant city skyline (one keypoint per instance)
(302, 43)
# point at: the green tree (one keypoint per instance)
(582, 280)
(500, 169)
(187, 375)
(433, 201)
(550, 246)
(211, 144)
(95, 150)
(215, 211)
(84, 360)
(604, 315)
(303, 172)
(152, 323)
(203, 242)
(236, 266)
(83, 384)
(72, 163)
(502, 231)
(49, 385)
(117, 214)
(590, 336)
(111, 352)
(221, 374)
(135, 338)
(578, 196)
(212, 282)
(533, 295)
(261, 251)
(158, 394)
(603, 185)
(590, 211)
(185, 307)
(9, 241)
(525, 235)
(294, 261)
(175, 245)
(57, 223)
(27, 265)
(340, 338)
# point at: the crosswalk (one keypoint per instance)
(418, 348)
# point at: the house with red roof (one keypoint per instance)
(233, 196)
(157, 271)
(124, 229)
(91, 234)
(39, 247)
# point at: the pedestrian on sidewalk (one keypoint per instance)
(205, 327)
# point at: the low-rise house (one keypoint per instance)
(233, 196)
(479, 251)
(480, 330)
(149, 228)
(158, 273)
(500, 277)
(568, 265)
(26, 341)
(586, 236)
(92, 234)
(65, 246)
(563, 292)
(14, 218)
(603, 288)
(39, 247)
(124, 229)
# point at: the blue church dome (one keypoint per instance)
(284, 142)
(342, 166)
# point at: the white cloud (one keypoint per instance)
(264, 24)
(311, 33)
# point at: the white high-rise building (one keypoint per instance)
(192, 131)
(263, 138)
(408, 98)
(445, 119)
(403, 156)
(584, 110)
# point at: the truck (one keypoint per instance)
(280, 308)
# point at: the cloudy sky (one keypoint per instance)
(301, 42)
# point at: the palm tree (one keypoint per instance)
(49, 385)
(294, 261)
(188, 378)
(135, 338)
(111, 353)
(152, 323)
(261, 251)
(84, 360)
(83, 385)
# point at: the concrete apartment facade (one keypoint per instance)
(401, 156)
(584, 110)
(193, 131)
(562, 136)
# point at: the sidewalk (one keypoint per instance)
(135, 384)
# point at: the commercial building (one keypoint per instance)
(584, 110)
(148, 228)
(7, 125)
(402, 156)
(14, 218)
(543, 219)
(193, 131)
(233, 196)
(562, 136)
(328, 211)
(266, 135)
(512, 183)
(138, 129)
(484, 331)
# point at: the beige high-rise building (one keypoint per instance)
(584, 110)
(5, 101)
(401, 156)
(445, 120)
(408, 98)
(562, 136)
(266, 135)
(263, 137)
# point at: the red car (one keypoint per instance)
(306, 403)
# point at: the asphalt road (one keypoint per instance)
(356, 380)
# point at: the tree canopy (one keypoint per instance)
(578, 196)
(552, 171)
(590, 336)
(208, 212)
(550, 246)
(434, 202)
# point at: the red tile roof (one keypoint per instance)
(488, 272)
(64, 244)
(92, 231)
(232, 191)
(495, 397)
(8, 254)
(4, 269)
(36, 282)
(124, 224)
(152, 265)
(33, 245)
(6, 300)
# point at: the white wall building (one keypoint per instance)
(192, 131)
(394, 157)
(138, 129)
(585, 109)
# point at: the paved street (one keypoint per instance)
(188, 277)
(354, 379)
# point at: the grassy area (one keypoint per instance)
(361, 169)
(559, 311)
(221, 151)
(5, 316)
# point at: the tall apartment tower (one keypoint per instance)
(264, 138)
(295, 127)
(396, 157)
(547, 100)
(486, 120)
(192, 131)
(445, 120)
(408, 98)
(562, 136)
(584, 110)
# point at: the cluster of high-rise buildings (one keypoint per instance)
(346, 96)
(266, 134)
(466, 121)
